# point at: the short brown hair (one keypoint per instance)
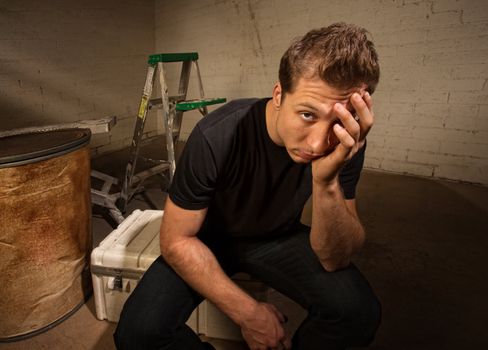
(340, 54)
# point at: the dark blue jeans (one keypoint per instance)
(342, 309)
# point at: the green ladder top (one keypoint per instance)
(173, 57)
(194, 104)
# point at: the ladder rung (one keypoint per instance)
(150, 140)
(149, 172)
(173, 57)
(158, 102)
(177, 98)
(155, 103)
(194, 104)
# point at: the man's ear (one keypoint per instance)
(277, 95)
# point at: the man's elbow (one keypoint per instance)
(163, 247)
(331, 265)
(329, 261)
(167, 247)
(174, 249)
(339, 262)
(360, 239)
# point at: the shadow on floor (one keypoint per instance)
(425, 258)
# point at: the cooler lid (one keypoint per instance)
(133, 245)
(32, 147)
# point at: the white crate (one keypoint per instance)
(121, 259)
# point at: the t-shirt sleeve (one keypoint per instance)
(194, 181)
(349, 175)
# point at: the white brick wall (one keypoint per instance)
(432, 101)
(62, 61)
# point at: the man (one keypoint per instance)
(236, 199)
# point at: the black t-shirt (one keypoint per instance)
(250, 185)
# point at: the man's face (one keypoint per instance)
(303, 122)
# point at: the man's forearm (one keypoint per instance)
(196, 264)
(336, 233)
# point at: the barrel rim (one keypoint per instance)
(44, 154)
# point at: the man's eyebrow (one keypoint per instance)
(307, 105)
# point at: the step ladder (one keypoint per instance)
(173, 108)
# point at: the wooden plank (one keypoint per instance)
(96, 126)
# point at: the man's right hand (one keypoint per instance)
(263, 329)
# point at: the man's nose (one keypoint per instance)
(319, 138)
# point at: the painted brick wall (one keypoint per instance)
(62, 61)
(432, 102)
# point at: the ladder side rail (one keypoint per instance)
(204, 110)
(182, 91)
(168, 115)
(136, 139)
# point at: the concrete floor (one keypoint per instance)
(425, 256)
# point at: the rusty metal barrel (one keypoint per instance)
(45, 229)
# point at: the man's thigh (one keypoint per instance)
(289, 265)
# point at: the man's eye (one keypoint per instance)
(307, 116)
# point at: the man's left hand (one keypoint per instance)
(350, 133)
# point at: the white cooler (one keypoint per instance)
(121, 259)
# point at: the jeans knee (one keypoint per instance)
(354, 320)
(361, 320)
(119, 341)
(138, 330)
(129, 334)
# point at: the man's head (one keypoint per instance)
(341, 55)
(321, 75)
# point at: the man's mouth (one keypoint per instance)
(307, 156)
